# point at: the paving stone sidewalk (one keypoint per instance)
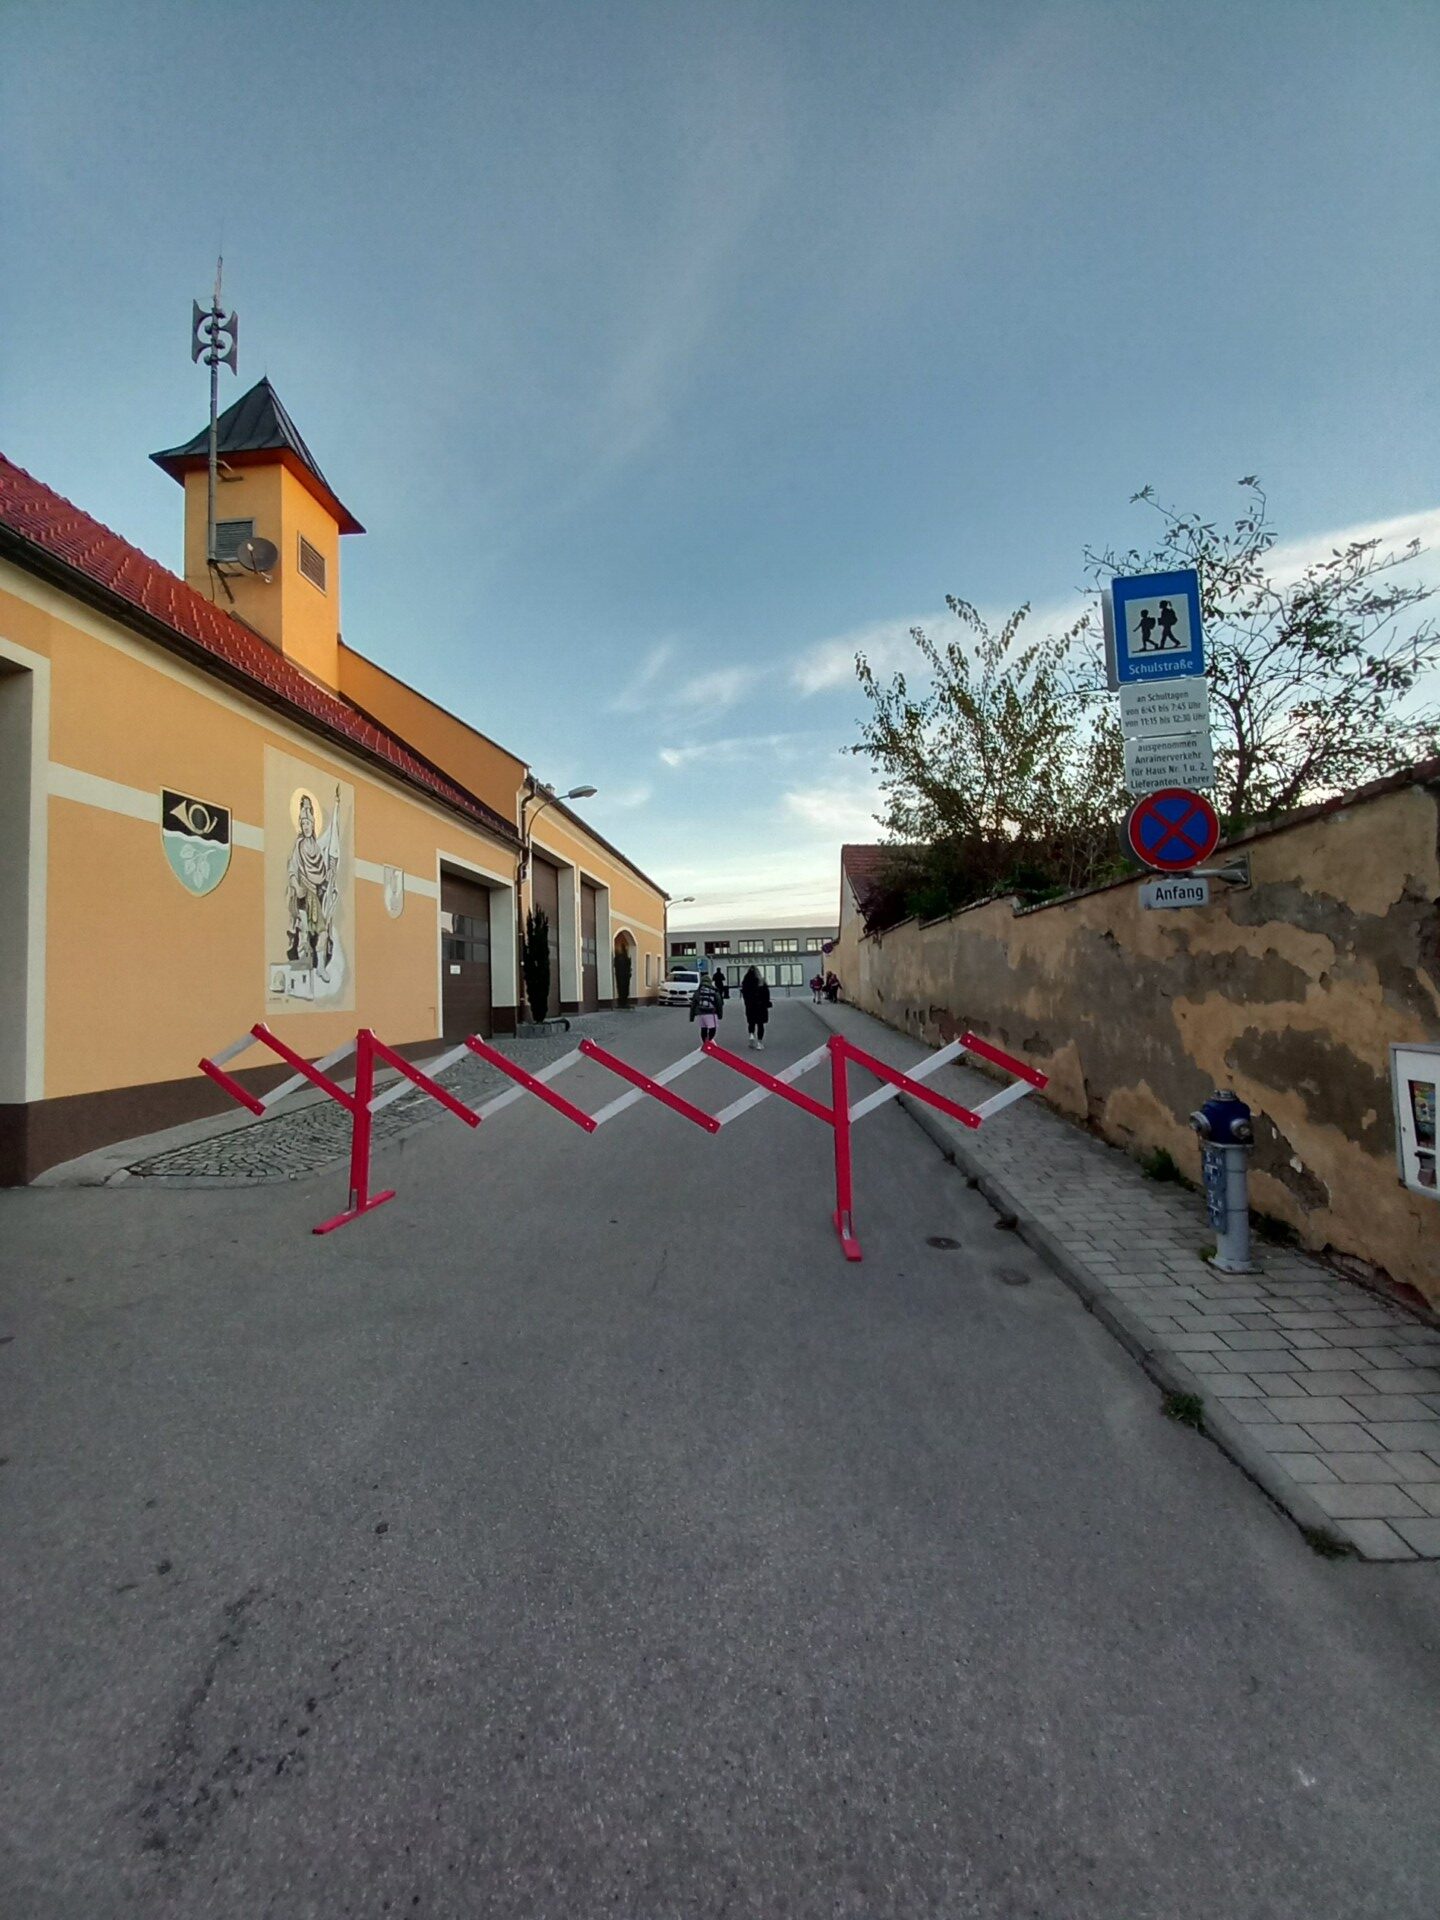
(1325, 1393)
(302, 1139)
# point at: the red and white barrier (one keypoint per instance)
(363, 1103)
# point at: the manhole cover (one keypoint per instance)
(945, 1244)
(1013, 1277)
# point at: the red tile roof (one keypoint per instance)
(48, 528)
(864, 867)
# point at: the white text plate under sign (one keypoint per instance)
(1187, 891)
(1169, 760)
(1164, 706)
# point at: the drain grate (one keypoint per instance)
(1013, 1277)
(945, 1244)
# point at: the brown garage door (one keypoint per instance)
(464, 956)
(589, 952)
(545, 887)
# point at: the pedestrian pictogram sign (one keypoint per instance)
(1173, 830)
(1152, 627)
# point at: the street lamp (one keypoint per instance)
(685, 900)
(527, 819)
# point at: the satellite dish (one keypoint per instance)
(257, 555)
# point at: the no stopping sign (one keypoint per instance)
(1173, 830)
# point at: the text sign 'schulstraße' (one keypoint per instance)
(1150, 707)
(1173, 830)
(1169, 760)
(1153, 629)
(1190, 890)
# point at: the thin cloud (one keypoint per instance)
(656, 688)
(1288, 561)
(716, 690)
(738, 747)
(643, 688)
(623, 798)
(838, 809)
(886, 644)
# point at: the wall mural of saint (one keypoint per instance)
(309, 892)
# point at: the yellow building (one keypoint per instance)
(213, 811)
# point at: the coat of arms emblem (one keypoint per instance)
(196, 837)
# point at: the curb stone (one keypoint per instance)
(1229, 1434)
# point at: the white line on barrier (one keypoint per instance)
(753, 1099)
(300, 1079)
(1006, 1097)
(431, 1069)
(517, 1092)
(922, 1072)
(235, 1046)
(661, 1079)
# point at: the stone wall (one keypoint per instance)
(1291, 991)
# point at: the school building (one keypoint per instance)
(787, 956)
(213, 812)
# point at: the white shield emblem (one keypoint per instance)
(394, 891)
(196, 838)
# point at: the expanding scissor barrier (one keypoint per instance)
(362, 1102)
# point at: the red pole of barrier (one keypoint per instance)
(844, 1196)
(972, 1043)
(529, 1082)
(915, 1088)
(425, 1083)
(647, 1085)
(361, 1199)
(768, 1080)
(301, 1065)
(231, 1086)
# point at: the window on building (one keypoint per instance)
(785, 946)
(681, 949)
(750, 946)
(790, 974)
(772, 976)
(312, 564)
(468, 939)
(649, 965)
(717, 946)
(814, 944)
(230, 536)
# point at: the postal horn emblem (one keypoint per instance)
(196, 837)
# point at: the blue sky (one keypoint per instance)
(668, 350)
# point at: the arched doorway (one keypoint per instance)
(624, 959)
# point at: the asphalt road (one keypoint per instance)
(580, 1535)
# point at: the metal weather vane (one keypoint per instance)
(214, 337)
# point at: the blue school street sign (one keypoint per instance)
(1152, 627)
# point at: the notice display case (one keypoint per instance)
(1414, 1076)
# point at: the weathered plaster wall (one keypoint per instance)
(1291, 992)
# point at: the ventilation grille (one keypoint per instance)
(312, 563)
(230, 536)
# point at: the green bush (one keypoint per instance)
(535, 961)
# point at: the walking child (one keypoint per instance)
(708, 1005)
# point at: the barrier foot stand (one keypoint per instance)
(844, 1216)
(361, 1198)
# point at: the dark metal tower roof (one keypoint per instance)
(255, 425)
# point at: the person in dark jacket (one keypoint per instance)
(756, 995)
(832, 988)
(721, 983)
(707, 1005)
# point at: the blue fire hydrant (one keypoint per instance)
(1227, 1133)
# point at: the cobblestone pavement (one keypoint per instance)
(294, 1144)
(1327, 1394)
